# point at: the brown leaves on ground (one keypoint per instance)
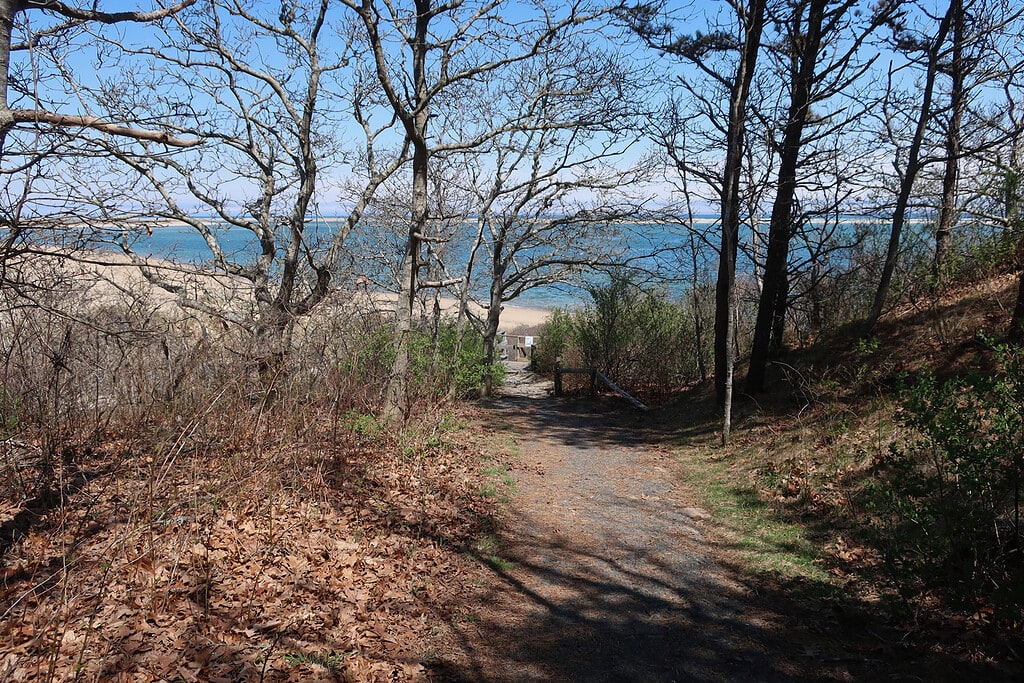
(330, 558)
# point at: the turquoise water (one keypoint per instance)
(182, 243)
(375, 253)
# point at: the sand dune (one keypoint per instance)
(112, 277)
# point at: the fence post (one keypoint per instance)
(593, 382)
(558, 377)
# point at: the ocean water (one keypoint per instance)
(664, 271)
(658, 253)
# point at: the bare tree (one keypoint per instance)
(1013, 191)
(690, 177)
(744, 43)
(947, 207)
(808, 28)
(551, 192)
(273, 92)
(423, 54)
(37, 127)
(961, 58)
(68, 17)
(981, 55)
(930, 47)
(996, 188)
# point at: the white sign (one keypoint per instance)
(529, 342)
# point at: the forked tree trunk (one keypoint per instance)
(914, 165)
(771, 309)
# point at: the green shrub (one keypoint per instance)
(950, 498)
(642, 340)
(446, 363)
(556, 340)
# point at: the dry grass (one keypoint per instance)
(169, 513)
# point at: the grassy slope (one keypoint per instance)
(786, 492)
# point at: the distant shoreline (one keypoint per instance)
(512, 316)
(109, 275)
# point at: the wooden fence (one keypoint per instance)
(595, 377)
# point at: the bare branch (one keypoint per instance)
(79, 14)
(98, 124)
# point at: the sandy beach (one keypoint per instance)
(512, 317)
(517, 317)
(109, 277)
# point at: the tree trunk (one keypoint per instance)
(272, 341)
(727, 398)
(396, 408)
(698, 322)
(725, 331)
(771, 311)
(779, 319)
(1016, 333)
(950, 176)
(491, 325)
(698, 339)
(910, 174)
(724, 353)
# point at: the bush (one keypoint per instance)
(642, 340)
(447, 362)
(950, 498)
(556, 335)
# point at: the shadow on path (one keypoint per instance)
(606, 576)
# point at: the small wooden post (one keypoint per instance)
(593, 382)
(558, 377)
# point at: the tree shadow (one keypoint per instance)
(640, 599)
(614, 623)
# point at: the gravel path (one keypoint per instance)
(609, 578)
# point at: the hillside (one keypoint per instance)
(814, 495)
(283, 536)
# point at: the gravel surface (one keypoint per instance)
(607, 575)
(608, 572)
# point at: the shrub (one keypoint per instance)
(641, 340)
(459, 362)
(446, 364)
(950, 497)
(556, 340)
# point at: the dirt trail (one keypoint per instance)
(610, 578)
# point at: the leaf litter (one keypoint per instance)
(331, 559)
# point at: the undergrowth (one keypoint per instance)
(171, 510)
(898, 501)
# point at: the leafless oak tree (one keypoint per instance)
(423, 54)
(279, 96)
